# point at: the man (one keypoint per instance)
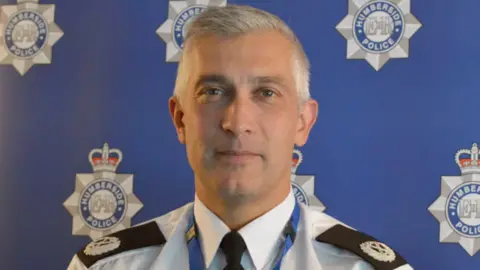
(241, 103)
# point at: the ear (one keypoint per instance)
(307, 118)
(176, 113)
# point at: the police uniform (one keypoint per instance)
(315, 241)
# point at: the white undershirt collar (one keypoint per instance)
(262, 236)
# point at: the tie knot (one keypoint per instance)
(233, 247)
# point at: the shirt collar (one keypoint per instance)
(211, 230)
(261, 235)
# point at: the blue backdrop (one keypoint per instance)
(380, 146)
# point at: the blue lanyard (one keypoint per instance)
(195, 253)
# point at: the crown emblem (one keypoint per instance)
(468, 165)
(297, 158)
(102, 159)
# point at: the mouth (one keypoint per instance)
(234, 156)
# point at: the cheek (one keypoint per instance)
(201, 125)
(280, 123)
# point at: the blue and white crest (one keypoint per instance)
(26, 33)
(303, 186)
(181, 23)
(300, 194)
(102, 204)
(463, 209)
(180, 14)
(379, 26)
(457, 209)
(378, 30)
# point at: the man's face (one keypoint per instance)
(239, 115)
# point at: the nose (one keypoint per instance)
(239, 116)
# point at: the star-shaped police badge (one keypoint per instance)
(180, 14)
(377, 30)
(303, 186)
(457, 209)
(27, 34)
(103, 202)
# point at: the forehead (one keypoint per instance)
(259, 53)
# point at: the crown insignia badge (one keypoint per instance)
(457, 209)
(303, 186)
(297, 159)
(102, 159)
(100, 202)
(470, 164)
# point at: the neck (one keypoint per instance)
(237, 212)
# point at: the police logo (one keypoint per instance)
(463, 206)
(103, 202)
(303, 185)
(181, 23)
(378, 30)
(27, 34)
(180, 14)
(300, 194)
(378, 27)
(457, 209)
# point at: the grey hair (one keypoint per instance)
(232, 20)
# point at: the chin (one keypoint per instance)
(238, 186)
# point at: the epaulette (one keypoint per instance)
(129, 239)
(379, 255)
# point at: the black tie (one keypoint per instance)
(233, 246)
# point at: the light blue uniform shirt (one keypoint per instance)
(263, 237)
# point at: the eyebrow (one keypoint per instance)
(213, 79)
(267, 80)
(253, 80)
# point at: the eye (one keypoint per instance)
(212, 91)
(266, 92)
(210, 94)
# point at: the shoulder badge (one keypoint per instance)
(133, 238)
(379, 255)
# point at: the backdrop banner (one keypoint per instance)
(87, 145)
